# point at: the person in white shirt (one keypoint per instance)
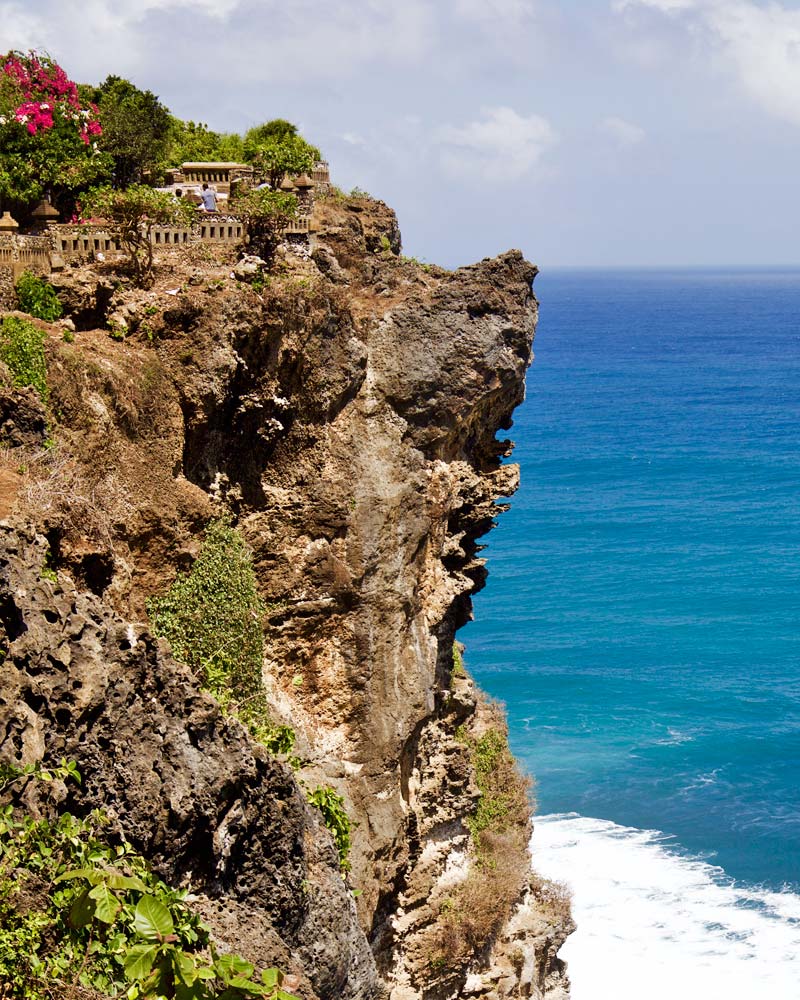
(209, 198)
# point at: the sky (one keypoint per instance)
(585, 132)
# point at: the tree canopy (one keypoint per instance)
(48, 134)
(192, 141)
(275, 158)
(137, 129)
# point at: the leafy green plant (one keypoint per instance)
(503, 800)
(276, 149)
(38, 297)
(132, 214)
(265, 214)
(458, 662)
(335, 817)
(136, 130)
(77, 912)
(47, 133)
(212, 617)
(22, 349)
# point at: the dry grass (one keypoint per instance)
(57, 491)
(476, 911)
(553, 898)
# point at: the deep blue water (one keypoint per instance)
(642, 616)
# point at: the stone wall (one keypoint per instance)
(77, 243)
(18, 254)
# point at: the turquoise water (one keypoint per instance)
(642, 617)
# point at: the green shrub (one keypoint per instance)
(334, 814)
(212, 617)
(504, 802)
(38, 297)
(458, 661)
(478, 907)
(22, 349)
(77, 912)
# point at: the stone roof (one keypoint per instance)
(214, 165)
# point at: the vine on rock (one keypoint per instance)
(212, 617)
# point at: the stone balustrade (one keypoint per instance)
(80, 241)
(24, 253)
(73, 243)
(18, 254)
(321, 172)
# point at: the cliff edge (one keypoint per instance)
(343, 411)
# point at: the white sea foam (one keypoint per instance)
(653, 923)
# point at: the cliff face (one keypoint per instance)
(346, 413)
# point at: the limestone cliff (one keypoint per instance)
(346, 413)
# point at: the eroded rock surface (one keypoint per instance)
(347, 414)
(179, 780)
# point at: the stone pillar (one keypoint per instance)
(8, 224)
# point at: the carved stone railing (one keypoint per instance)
(24, 253)
(83, 240)
(74, 242)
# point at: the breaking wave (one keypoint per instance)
(655, 923)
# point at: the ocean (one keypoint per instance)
(642, 625)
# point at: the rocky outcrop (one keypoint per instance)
(347, 414)
(181, 781)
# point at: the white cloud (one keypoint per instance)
(267, 41)
(665, 5)
(622, 131)
(502, 145)
(758, 43)
(353, 139)
(496, 11)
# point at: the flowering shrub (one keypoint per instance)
(47, 135)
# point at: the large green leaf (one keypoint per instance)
(184, 966)
(117, 880)
(82, 911)
(228, 966)
(92, 875)
(152, 920)
(139, 961)
(246, 986)
(106, 904)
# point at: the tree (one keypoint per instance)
(278, 128)
(132, 213)
(276, 149)
(48, 137)
(136, 130)
(193, 141)
(265, 215)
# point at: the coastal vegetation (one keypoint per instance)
(22, 349)
(475, 909)
(335, 817)
(265, 214)
(48, 134)
(213, 617)
(38, 298)
(133, 213)
(78, 913)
